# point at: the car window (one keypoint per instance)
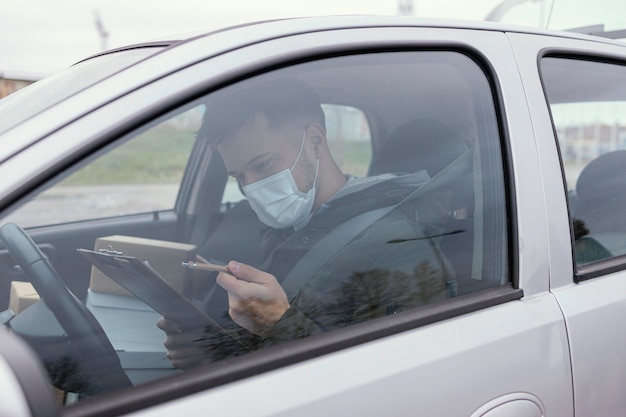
(374, 188)
(588, 105)
(141, 175)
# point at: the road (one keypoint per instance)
(72, 203)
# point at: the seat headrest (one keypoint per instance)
(416, 145)
(601, 193)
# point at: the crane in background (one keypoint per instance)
(405, 7)
(102, 32)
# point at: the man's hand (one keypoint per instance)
(184, 349)
(256, 300)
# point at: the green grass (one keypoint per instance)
(353, 157)
(160, 156)
(157, 156)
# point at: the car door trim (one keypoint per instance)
(290, 353)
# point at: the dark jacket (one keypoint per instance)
(392, 265)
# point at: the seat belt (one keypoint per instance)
(330, 244)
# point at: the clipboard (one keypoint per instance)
(140, 279)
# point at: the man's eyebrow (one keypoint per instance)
(251, 162)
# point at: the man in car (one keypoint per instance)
(339, 249)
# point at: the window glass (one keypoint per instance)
(374, 185)
(349, 138)
(588, 104)
(141, 175)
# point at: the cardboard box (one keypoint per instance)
(164, 256)
(22, 296)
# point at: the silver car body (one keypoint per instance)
(557, 350)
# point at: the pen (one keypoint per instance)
(206, 266)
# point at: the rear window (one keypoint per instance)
(588, 106)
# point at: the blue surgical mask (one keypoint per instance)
(277, 200)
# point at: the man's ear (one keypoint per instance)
(317, 136)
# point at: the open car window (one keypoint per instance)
(375, 190)
(142, 175)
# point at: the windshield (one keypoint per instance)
(51, 90)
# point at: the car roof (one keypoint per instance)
(178, 52)
(267, 29)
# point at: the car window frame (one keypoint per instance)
(602, 267)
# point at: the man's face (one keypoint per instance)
(258, 150)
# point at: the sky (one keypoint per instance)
(40, 37)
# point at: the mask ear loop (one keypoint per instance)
(317, 164)
(300, 151)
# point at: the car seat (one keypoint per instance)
(418, 144)
(600, 211)
(238, 236)
(431, 145)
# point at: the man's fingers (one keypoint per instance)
(168, 326)
(249, 273)
(244, 280)
(184, 358)
(255, 298)
(185, 349)
(230, 283)
(178, 340)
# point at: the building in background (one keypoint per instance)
(10, 82)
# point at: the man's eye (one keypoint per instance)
(263, 167)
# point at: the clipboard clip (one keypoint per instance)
(109, 251)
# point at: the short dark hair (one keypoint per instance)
(280, 100)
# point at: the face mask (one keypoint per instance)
(277, 201)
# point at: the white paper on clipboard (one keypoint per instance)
(140, 279)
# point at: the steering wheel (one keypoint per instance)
(93, 357)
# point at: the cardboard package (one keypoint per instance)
(164, 256)
(22, 296)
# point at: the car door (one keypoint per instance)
(583, 138)
(496, 342)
